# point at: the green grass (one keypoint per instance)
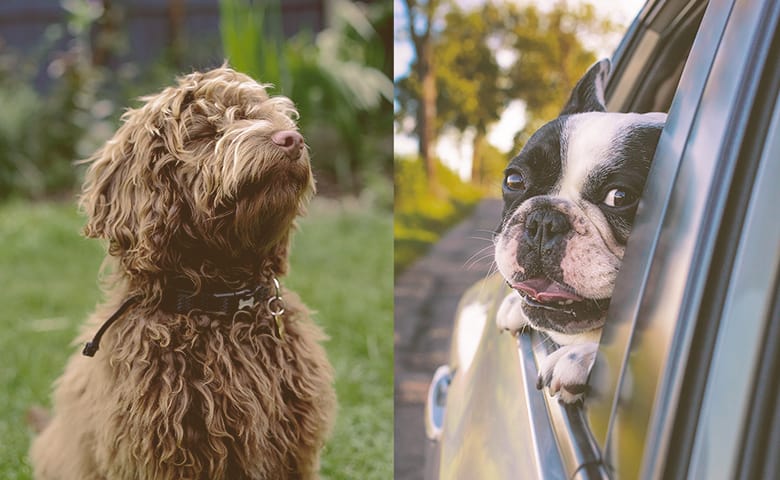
(421, 215)
(341, 267)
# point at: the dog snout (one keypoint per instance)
(544, 228)
(290, 141)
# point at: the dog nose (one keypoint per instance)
(290, 141)
(546, 227)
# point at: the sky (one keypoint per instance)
(455, 150)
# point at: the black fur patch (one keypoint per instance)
(627, 170)
(539, 162)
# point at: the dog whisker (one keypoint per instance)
(480, 255)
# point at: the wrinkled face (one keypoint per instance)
(570, 198)
(210, 168)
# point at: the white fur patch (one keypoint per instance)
(589, 140)
(505, 253)
(566, 370)
(593, 256)
(510, 314)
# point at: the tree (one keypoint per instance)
(420, 19)
(550, 56)
(472, 89)
(469, 80)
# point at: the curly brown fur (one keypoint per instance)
(193, 187)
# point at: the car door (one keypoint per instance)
(663, 353)
(676, 378)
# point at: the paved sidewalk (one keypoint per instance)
(426, 296)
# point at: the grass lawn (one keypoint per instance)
(341, 267)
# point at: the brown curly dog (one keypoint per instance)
(206, 371)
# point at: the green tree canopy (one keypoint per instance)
(477, 99)
(550, 56)
(547, 52)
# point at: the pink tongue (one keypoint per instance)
(546, 290)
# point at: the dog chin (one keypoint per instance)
(566, 318)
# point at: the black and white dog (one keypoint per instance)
(570, 198)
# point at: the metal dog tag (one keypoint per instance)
(246, 303)
(275, 307)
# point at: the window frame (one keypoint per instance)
(671, 251)
(580, 450)
(591, 447)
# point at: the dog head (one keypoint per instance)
(570, 197)
(212, 170)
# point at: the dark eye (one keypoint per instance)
(515, 181)
(619, 197)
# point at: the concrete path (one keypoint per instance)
(426, 296)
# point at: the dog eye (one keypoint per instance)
(618, 197)
(515, 181)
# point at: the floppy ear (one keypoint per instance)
(128, 200)
(102, 193)
(588, 94)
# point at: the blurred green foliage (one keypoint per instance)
(338, 80)
(422, 215)
(49, 278)
(42, 134)
(543, 56)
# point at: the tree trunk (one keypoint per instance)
(427, 115)
(477, 167)
(422, 40)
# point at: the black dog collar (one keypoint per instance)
(185, 301)
(226, 303)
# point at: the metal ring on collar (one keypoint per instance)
(279, 306)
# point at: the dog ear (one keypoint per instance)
(102, 192)
(129, 199)
(588, 94)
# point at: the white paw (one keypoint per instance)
(510, 315)
(566, 371)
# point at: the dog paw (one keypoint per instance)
(566, 371)
(510, 315)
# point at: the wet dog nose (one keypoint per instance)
(544, 228)
(290, 141)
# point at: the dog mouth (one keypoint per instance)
(545, 296)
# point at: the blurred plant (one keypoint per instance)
(420, 214)
(42, 134)
(336, 80)
(251, 38)
(550, 54)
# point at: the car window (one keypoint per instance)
(623, 314)
(640, 379)
(648, 66)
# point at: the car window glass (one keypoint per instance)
(620, 324)
(647, 340)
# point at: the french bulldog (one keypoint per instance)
(570, 197)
